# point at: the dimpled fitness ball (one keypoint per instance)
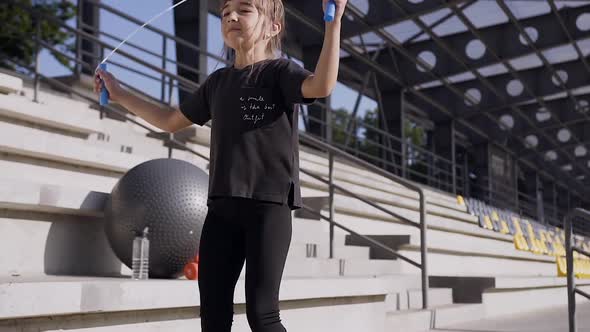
(170, 197)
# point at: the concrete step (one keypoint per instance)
(454, 264)
(354, 174)
(419, 320)
(534, 282)
(370, 267)
(324, 267)
(84, 122)
(470, 289)
(502, 302)
(322, 251)
(436, 297)
(410, 299)
(77, 304)
(350, 252)
(68, 119)
(10, 83)
(449, 242)
(377, 195)
(472, 245)
(48, 146)
(67, 295)
(26, 169)
(367, 220)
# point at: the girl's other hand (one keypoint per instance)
(340, 7)
(110, 82)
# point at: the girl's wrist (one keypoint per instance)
(335, 24)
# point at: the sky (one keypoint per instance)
(143, 10)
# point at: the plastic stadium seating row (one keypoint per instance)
(529, 235)
(581, 267)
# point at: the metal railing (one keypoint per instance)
(422, 225)
(572, 290)
(409, 161)
(183, 83)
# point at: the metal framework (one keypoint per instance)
(518, 80)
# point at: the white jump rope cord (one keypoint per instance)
(141, 27)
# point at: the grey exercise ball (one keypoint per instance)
(170, 197)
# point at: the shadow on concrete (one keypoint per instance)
(77, 245)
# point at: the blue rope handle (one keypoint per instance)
(104, 93)
(330, 11)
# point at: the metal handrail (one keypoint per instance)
(103, 44)
(305, 138)
(429, 163)
(366, 238)
(143, 49)
(388, 135)
(170, 139)
(439, 170)
(572, 290)
(163, 33)
(364, 200)
(334, 152)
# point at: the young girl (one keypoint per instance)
(254, 166)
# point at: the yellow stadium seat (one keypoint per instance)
(504, 229)
(546, 239)
(520, 242)
(460, 200)
(581, 268)
(488, 223)
(495, 216)
(516, 223)
(537, 246)
(561, 267)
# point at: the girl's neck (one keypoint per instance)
(243, 60)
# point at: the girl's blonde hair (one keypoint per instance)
(273, 12)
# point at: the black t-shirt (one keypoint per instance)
(254, 130)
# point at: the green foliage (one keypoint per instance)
(366, 136)
(414, 134)
(19, 28)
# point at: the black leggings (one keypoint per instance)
(235, 230)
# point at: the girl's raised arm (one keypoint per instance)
(323, 81)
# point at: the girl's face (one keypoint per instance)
(241, 24)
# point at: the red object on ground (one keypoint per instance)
(191, 271)
(197, 259)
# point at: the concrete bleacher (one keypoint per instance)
(59, 162)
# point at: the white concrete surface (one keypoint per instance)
(547, 320)
(58, 296)
(73, 119)
(449, 264)
(503, 303)
(10, 84)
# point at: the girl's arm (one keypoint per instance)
(323, 81)
(167, 120)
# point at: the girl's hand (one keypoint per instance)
(111, 84)
(340, 7)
